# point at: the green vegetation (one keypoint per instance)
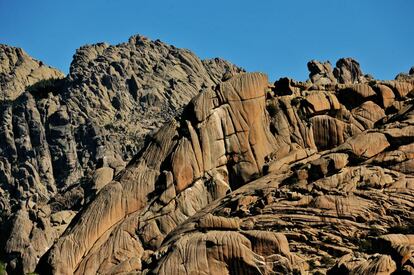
(312, 264)
(272, 108)
(296, 101)
(42, 88)
(402, 229)
(2, 268)
(327, 261)
(366, 246)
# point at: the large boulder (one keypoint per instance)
(321, 73)
(347, 70)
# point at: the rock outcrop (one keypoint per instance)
(405, 76)
(347, 71)
(18, 71)
(321, 73)
(235, 175)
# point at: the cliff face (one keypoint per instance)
(235, 175)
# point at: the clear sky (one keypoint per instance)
(274, 36)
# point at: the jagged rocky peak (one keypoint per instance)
(347, 71)
(18, 70)
(136, 86)
(405, 76)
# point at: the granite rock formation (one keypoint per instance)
(240, 176)
(316, 183)
(64, 138)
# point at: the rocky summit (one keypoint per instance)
(145, 159)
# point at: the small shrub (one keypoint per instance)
(42, 88)
(366, 246)
(312, 264)
(402, 229)
(296, 101)
(272, 109)
(327, 261)
(2, 268)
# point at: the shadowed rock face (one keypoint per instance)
(247, 178)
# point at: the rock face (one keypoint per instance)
(242, 176)
(58, 132)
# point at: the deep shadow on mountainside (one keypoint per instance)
(145, 159)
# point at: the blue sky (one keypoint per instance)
(276, 37)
